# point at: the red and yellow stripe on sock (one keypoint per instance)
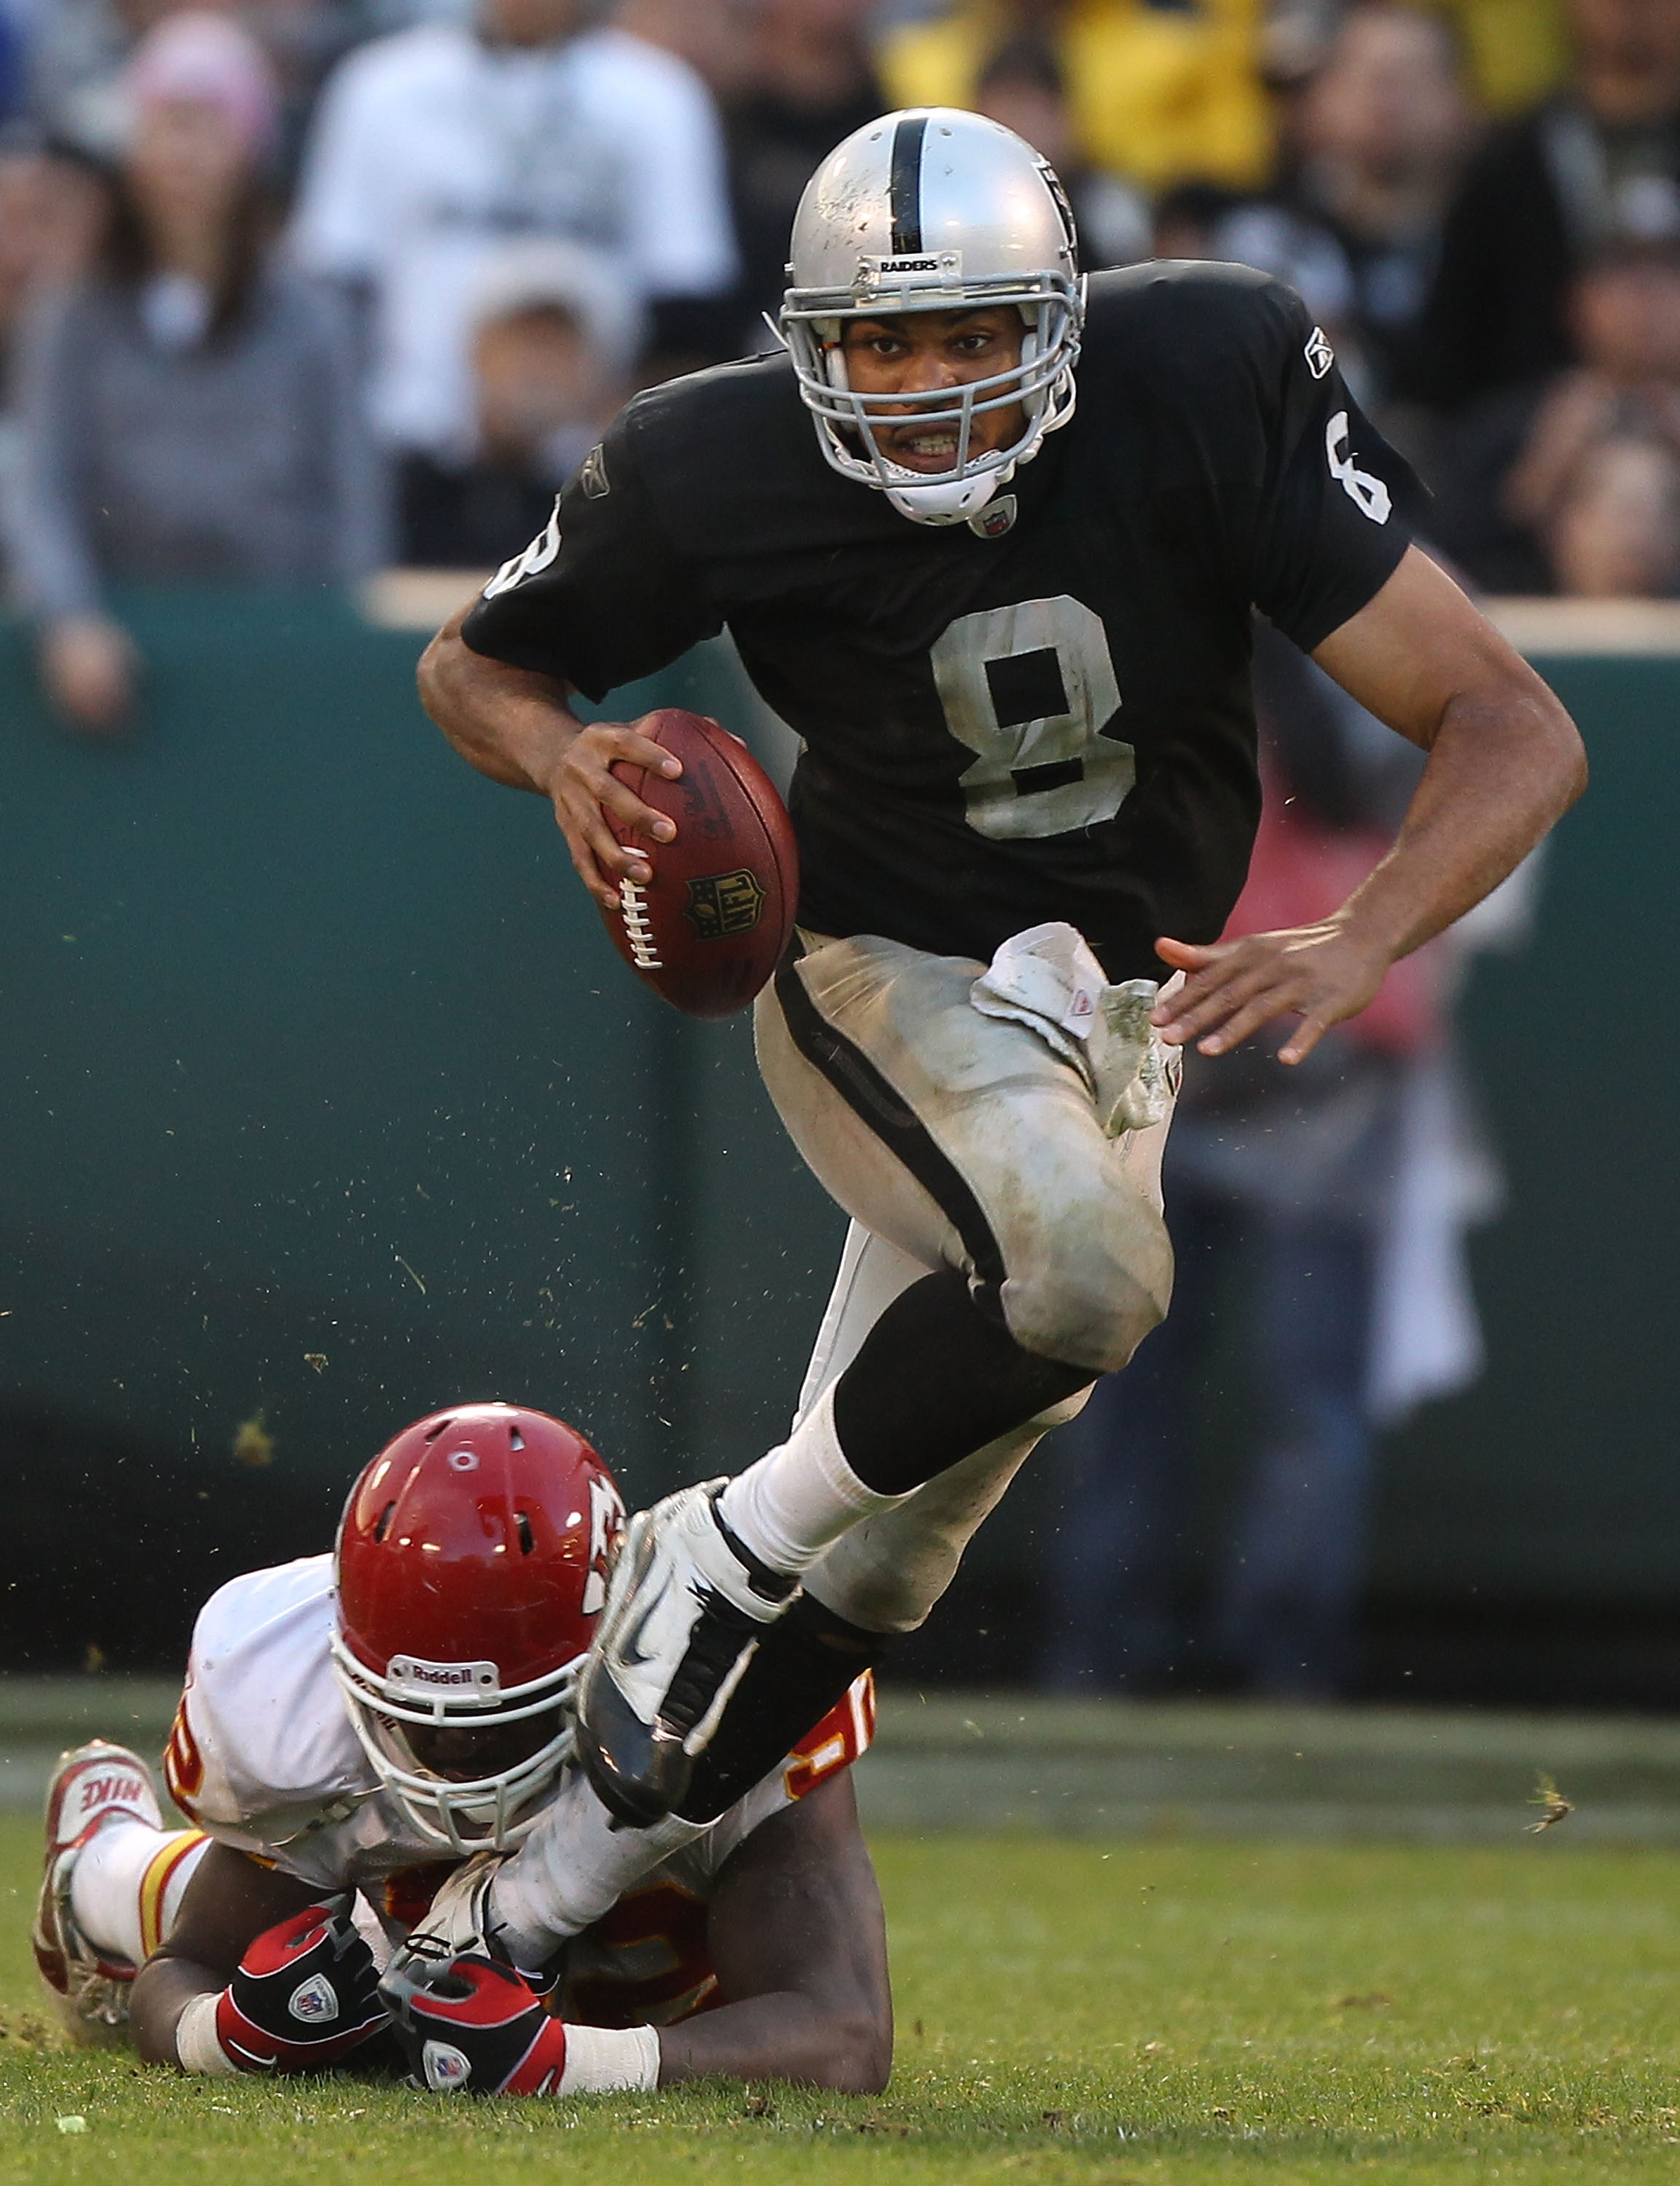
(162, 1870)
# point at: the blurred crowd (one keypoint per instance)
(294, 288)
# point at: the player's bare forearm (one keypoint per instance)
(163, 1989)
(784, 2036)
(798, 1942)
(509, 723)
(230, 1900)
(517, 728)
(1506, 762)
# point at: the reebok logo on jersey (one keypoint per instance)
(593, 478)
(1318, 354)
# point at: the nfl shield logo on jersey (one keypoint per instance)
(444, 2067)
(314, 2001)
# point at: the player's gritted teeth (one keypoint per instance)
(928, 357)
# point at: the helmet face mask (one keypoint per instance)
(472, 1562)
(491, 1812)
(997, 230)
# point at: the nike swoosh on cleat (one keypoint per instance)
(630, 1650)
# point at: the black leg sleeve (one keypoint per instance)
(804, 1664)
(938, 1377)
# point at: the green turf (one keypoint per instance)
(1170, 2012)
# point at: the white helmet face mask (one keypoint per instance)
(491, 1812)
(933, 210)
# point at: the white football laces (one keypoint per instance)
(633, 908)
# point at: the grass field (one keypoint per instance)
(1170, 2011)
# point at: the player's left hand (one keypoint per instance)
(305, 1994)
(469, 2023)
(1321, 973)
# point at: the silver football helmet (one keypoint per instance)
(933, 210)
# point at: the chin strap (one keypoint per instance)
(947, 501)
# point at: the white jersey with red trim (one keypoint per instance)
(263, 1756)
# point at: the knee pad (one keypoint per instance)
(1090, 1277)
(886, 1574)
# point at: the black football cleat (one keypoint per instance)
(684, 1614)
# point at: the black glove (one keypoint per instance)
(306, 1993)
(468, 2023)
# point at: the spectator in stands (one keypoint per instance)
(555, 333)
(189, 412)
(1600, 163)
(1379, 131)
(1595, 480)
(1612, 526)
(436, 146)
(1160, 95)
(1294, 1197)
(78, 51)
(11, 67)
(715, 37)
(1561, 483)
(812, 83)
(1023, 86)
(51, 206)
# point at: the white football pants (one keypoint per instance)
(953, 1140)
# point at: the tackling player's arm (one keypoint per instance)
(516, 726)
(1506, 762)
(230, 1901)
(799, 1943)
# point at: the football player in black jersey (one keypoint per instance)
(993, 546)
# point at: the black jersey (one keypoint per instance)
(1052, 721)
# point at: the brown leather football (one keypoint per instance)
(709, 928)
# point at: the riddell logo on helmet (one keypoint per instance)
(483, 1678)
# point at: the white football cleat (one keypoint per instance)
(684, 1610)
(93, 1786)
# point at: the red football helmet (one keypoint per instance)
(472, 1563)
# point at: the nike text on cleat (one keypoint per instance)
(93, 1786)
(684, 1614)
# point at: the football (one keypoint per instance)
(709, 928)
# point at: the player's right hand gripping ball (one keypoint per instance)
(471, 2023)
(305, 1994)
(709, 928)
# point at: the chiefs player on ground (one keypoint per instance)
(1004, 591)
(374, 1748)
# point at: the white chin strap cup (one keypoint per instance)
(944, 501)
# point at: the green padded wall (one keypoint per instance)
(313, 1048)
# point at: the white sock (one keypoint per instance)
(128, 1885)
(789, 1506)
(575, 1866)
